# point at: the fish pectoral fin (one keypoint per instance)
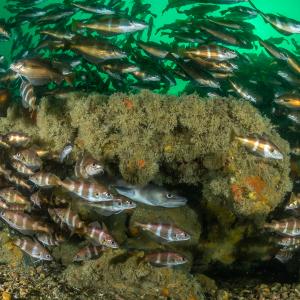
(126, 191)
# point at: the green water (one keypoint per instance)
(288, 8)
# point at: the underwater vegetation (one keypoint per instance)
(127, 193)
(187, 143)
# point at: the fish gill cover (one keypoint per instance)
(122, 190)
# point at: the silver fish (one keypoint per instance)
(151, 195)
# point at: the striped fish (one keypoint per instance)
(289, 100)
(13, 207)
(168, 232)
(33, 248)
(90, 191)
(86, 166)
(12, 196)
(29, 158)
(45, 179)
(293, 202)
(17, 139)
(100, 236)
(289, 242)
(289, 227)
(88, 252)
(23, 222)
(68, 217)
(165, 259)
(21, 168)
(50, 239)
(28, 95)
(211, 52)
(245, 92)
(115, 206)
(282, 24)
(17, 180)
(260, 146)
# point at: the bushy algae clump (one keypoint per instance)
(176, 141)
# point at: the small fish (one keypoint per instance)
(11, 195)
(86, 166)
(58, 35)
(65, 152)
(289, 100)
(154, 49)
(246, 93)
(289, 242)
(289, 227)
(88, 252)
(294, 202)
(21, 168)
(45, 179)
(96, 51)
(68, 217)
(98, 9)
(112, 25)
(115, 206)
(202, 77)
(17, 180)
(40, 152)
(17, 139)
(23, 222)
(151, 195)
(28, 96)
(282, 24)
(33, 248)
(166, 259)
(168, 232)
(272, 50)
(50, 239)
(293, 63)
(210, 52)
(284, 255)
(100, 236)
(37, 71)
(12, 207)
(90, 191)
(29, 158)
(260, 146)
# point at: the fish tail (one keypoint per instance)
(252, 4)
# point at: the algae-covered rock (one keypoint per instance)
(182, 141)
(150, 137)
(117, 273)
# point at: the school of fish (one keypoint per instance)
(108, 47)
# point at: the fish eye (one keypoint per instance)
(119, 203)
(169, 196)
